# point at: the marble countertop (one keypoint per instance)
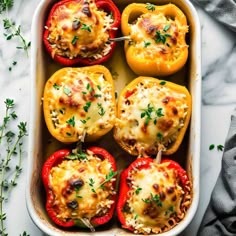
(218, 103)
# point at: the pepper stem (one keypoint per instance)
(88, 224)
(158, 157)
(78, 147)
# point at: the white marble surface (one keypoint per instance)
(218, 102)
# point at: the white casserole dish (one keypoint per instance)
(40, 148)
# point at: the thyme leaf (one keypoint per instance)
(109, 176)
(150, 6)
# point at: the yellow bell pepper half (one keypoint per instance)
(152, 115)
(157, 45)
(79, 103)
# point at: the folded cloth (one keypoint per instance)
(220, 216)
(222, 10)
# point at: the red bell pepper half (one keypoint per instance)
(139, 164)
(54, 160)
(107, 6)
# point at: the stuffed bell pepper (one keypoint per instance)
(153, 196)
(152, 115)
(156, 45)
(78, 31)
(79, 103)
(80, 187)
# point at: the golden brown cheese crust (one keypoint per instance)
(79, 28)
(79, 104)
(150, 119)
(76, 188)
(156, 201)
(160, 35)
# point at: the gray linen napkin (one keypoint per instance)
(222, 10)
(220, 216)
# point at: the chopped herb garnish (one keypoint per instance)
(109, 176)
(91, 184)
(159, 112)
(67, 91)
(97, 95)
(137, 190)
(146, 44)
(162, 82)
(88, 86)
(166, 28)
(147, 113)
(84, 121)
(136, 217)
(159, 136)
(159, 37)
(101, 111)
(170, 210)
(74, 40)
(68, 134)
(77, 156)
(55, 86)
(86, 27)
(99, 87)
(71, 121)
(153, 199)
(150, 6)
(87, 106)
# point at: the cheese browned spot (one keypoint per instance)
(160, 201)
(151, 117)
(160, 35)
(80, 29)
(76, 188)
(79, 103)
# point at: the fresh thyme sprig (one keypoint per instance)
(11, 30)
(15, 31)
(13, 144)
(5, 5)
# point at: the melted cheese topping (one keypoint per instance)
(155, 198)
(157, 36)
(80, 104)
(80, 29)
(76, 188)
(151, 117)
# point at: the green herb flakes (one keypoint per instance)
(87, 106)
(74, 40)
(67, 91)
(150, 6)
(71, 121)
